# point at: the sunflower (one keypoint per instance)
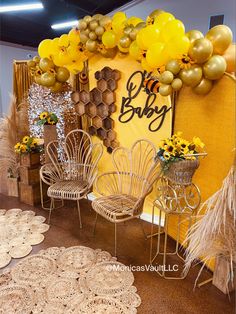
(197, 142)
(163, 144)
(43, 115)
(166, 155)
(170, 148)
(183, 143)
(25, 139)
(34, 143)
(185, 62)
(17, 147)
(23, 148)
(50, 121)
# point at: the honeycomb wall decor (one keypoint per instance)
(98, 105)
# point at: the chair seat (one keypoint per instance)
(68, 190)
(115, 208)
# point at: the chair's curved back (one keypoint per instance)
(136, 168)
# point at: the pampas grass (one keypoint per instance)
(214, 233)
(11, 127)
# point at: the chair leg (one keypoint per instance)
(143, 231)
(115, 238)
(95, 224)
(78, 207)
(50, 209)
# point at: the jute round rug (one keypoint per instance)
(19, 230)
(71, 280)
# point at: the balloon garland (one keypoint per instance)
(169, 54)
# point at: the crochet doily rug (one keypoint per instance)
(68, 281)
(19, 230)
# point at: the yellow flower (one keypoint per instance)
(163, 144)
(197, 142)
(23, 148)
(183, 143)
(43, 115)
(50, 121)
(166, 155)
(185, 62)
(17, 147)
(34, 143)
(170, 148)
(25, 139)
(177, 134)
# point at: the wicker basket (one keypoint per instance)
(181, 172)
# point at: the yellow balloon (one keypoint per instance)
(135, 51)
(75, 67)
(133, 20)
(119, 15)
(109, 39)
(172, 29)
(221, 37)
(63, 40)
(145, 65)
(118, 26)
(147, 36)
(156, 56)
(178, 46)
(45, 48)
(63, 58)
(163, 19)
(230, 58)
(74, 36)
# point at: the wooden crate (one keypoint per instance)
(13, 187)
(29, 175)
(30, 194)
(222, 273)
(50, 134)
(30, 159)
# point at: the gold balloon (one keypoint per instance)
(140, 25)
(62, 74)
(200, 50)
(165, 90)
(93, 25)
(230, 58)
(48, 79)
(91, 45)
(92, 35)
(128, 29)
(133, 33)
(191, 76)
(221, 37)
(45, 64)
(203, 87)
(104, 21)
(37, 79)
(56, 88)
(176, 84)
(125, 41)
(214, 68)
(83, 37)
(173, 66)
(31, 64)
(36, 59)
(99, 31)
(109, 53)
(193, 35)
(156, 13)
(82, 25)
(166, 77)
(97, 16)
(87, 18)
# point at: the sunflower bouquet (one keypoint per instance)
(176, 148)
(28, 145)
(48, 118)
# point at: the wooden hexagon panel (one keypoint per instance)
(98, 105)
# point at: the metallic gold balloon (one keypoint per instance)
(97, 16)
(140, 25)
(83, 37)
(48, 79)
(133, 33)
(194, 34)
(45, 64)
(176, 84)
(173, 66)
(82, 25)
(91, 45)
(214, 68)
(166, 77)
(99, 30)
(191, 76)
(104, 21)
(165, 90)
(200, 50)
(156, 13)
(36, 59)
(31, 64)
(93, 25)
(203, 87)
(37, 79)
(125, 41)
(87, 18)
(230, 58)
(62, 74)
(221, 37)
(56, 88)
(128, 29)
(92, 35)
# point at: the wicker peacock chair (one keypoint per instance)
(72, 172)
(123, 191)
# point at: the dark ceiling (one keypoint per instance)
(30, 27)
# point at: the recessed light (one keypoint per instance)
(21, 7)
(65, 24)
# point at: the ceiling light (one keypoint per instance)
(65, 24)
(21, 7)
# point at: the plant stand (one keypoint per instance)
(50, 134)
(173, 200)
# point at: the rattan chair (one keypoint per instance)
(73, 168)
(123, 191)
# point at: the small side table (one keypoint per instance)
(180, 201)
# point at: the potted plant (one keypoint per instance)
(48, 120)
(29, 150)
(179, 158)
